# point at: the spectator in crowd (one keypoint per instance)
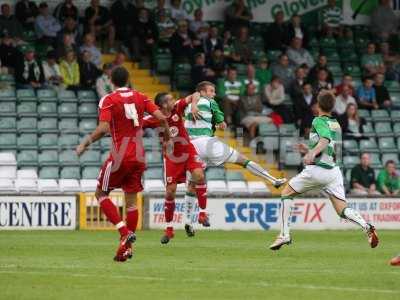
(177, 12)
(29, 71)
(275, 96)
(352, 124)
(88, 71)
(47, 27)
(347, 80)
(297, 30)
(343, 100)
(284, 71)
(388, 180)
(230, 90)
(70, 27)
(98, 22)
(251, 78)
(363, 177)
(263, 72)
(200, 72)
(8, 53)
(69, 68)
(119, 60)
(321, 64)
(381, 92)
(296, 86)
(298, 55)
(372, 62)
(66, 9)
(104, 85)
(212, 42)
(303, 109)
(66, 45)
(26, 12)
(165, 27)
(277, 34)
(237, 15)
(139, 4)
(322, 82)
(198, 25)
(242, 47)
(332, 17)
(391, 61)
(145, 35)
(160, 6)
(251, 110)
(217, 63)
(51, 70)
(9, 24)
(366, 94)
(384, 22)
(89, 45)
(183, 43)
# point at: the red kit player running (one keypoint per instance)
(183, 158)
(121, 115)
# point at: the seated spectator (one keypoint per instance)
(322, 82)
(381, 92)
(217, 63)
(183, 43)
(159, 7)
(237, 15)
(277, 34)
(263, 72)
(8, 53)
(98, 22)
(212, 42)
(251, 110)
(347, 80)
(89, 45)
(343, 100)
(65, 10)
(296, 86)
(200, 72)
(332, 17)
(51, 70)
(47, 27)
(372, 62)
(388, 180)
(198, 26)
(303, 109)
(144, 36)
(242, 47)
(384, 22)
(366, 94)
(88, 71)
(26, 12)
(363, 178)
(251, 78)
(28, 71)
(67, 45)
(227, 42)
(69, 68)
(321, 64)
(275, 96)
(165, 26)
(177, 11)
(70, 27)
(391, 61)
(298, 55)
(104, 85)
(230, 90)
(9, 24)
(352, 124)
(284, 71)
(297, 30)
(123, 14)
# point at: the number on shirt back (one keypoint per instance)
(131, 113)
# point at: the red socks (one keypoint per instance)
(111, 212)
(169, 209)
(132, 216)
(201, 192)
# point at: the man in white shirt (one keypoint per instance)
(344, 99)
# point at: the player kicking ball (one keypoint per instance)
(121, 115)
(321, 172)
(212, 151)
(180, 159)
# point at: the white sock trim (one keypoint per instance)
(120, 225)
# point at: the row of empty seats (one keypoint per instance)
(48, 109)
(47, 95)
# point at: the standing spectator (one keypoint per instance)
(26, 12)
(298, 55)
(123, 13)
(9, 24)
(251, 78)
(230, 90)
(104, 85)
(200, 72)
(213, 42)
(29, 71)
(352, 124)
(321, 64)
(297, 30)
(67, 44)
(372, 62)
(144, 36)
(90, 46)
(277, 34)
(88, 71)
(381, 92)
(183, 43)
(322, 82)
(296, 86)
(366, 94)
(217, 63)
(70, 27)
(303, 113)
(165, 27)
(242, 47)
(343, 100)
(347, 80)
(65, 10)
(70, 71)
(51, 70)
(275, 95)
(284, 71)
(251, 109)
(98, 22)
(199, 26)
(389, 180)
(8, 53)
(332, 17)
(363, 177)
(237, 15)
(46, 26)
(384, 22)
(263, 72)
(177, 11)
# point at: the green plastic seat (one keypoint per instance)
(376, 160)
(154, 173)
(336, 69)
(87, 125)
(7, 95)
(351, 161)
(48, 141)
(163, 63)
(292, 159)
(68, 157)
(7, 78)
(8, 141)
(27, 158)
(27, 125)
(387, 144)
(395, 97)
(215, 174)
(234, 176)
(105, 143)
(395, 115)
(47, 95)
(26, 95)
(48, 158)
(396, 129)
(90, 172)
(392, 86)
(182, 77)
(383, 129)
(8, 108)
(364, 113)
(88, 110)
(267, 130)
(47, 109)
(49, 173)
(27, 109)
(390, 156)
(8, 124)
(327, 43)
(273, 55)
(369, 130)
(87, 96)
(154, 158)
(90, 158)
(104, 156)
(48, 125)
(68, 125)
(70, 173)
(151, 144)
(369, 145)
(27, 141)
(68, 141)
(350, 146)
(380, 115)
(66, 96)
(67, 109)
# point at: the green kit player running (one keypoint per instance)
(321, 172)
(211, 150)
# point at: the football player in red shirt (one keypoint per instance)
(121, 115)
(182, 158)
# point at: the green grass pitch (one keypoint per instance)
(213, 265)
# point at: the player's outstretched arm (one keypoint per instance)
(102, 129)
(311, 154)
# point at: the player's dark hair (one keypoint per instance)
(203, 85)
(326, 102)
(160, 99)
(119, 77)
(390, 161)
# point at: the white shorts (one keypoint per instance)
(315, 177)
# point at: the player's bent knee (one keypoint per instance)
(171, 191)
(198, 175)
(288, 191)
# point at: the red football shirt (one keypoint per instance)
(124, 110)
